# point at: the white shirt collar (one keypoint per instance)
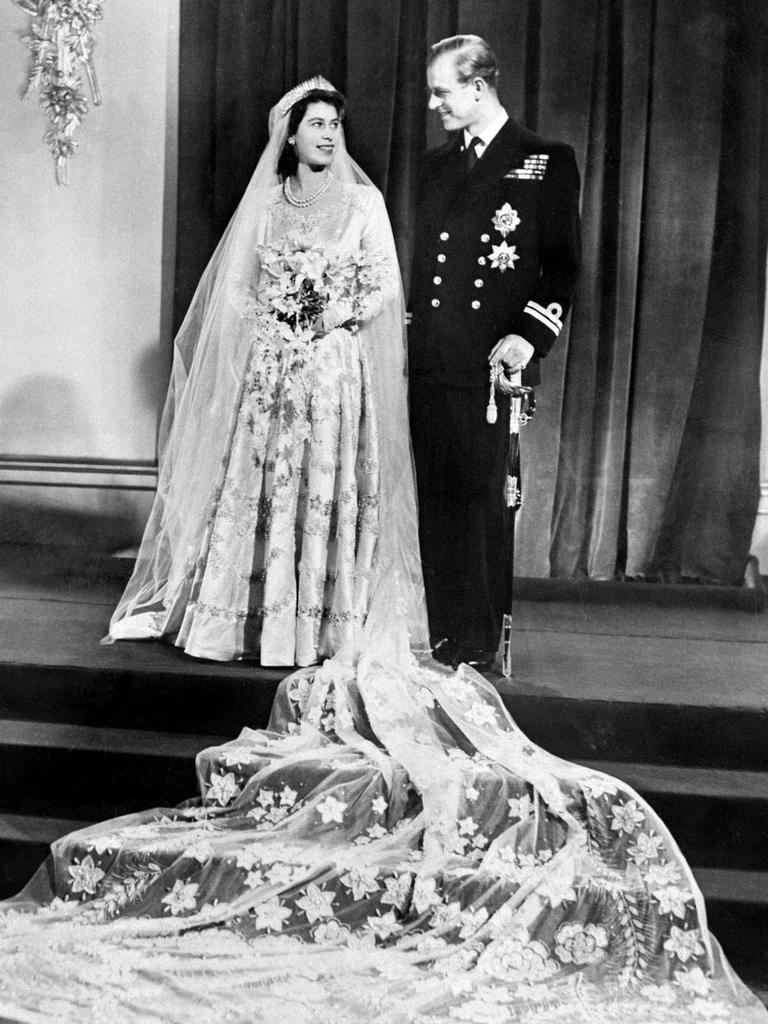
(488, 134)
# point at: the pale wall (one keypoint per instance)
(86, 272)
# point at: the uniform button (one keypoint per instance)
(479, 282)
(437, 280)
(485, 238)
(435, 303)
(481, 261)
(441, 258)
(444, 236)
(475, 304)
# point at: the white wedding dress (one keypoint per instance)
(392, 848)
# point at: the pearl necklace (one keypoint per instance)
(291, 198)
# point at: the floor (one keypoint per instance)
(664, 686)
(582, 646)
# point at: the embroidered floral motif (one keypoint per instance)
(646, 848)
(182, 898)
(581, 944)
(272, 915)
(361, 882)
(626, 817)
(685, 945)
(223, 789)
(384, 925)
(398, 891)
(331, 932)
(597, 786)
(316, 903)
(520, 807)
(331, 810)
(516, 959)
(672, 900)
(85, 876)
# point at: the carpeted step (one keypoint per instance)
(93, 773)
(720, 737)
(719, 818)
(175, 697)
(737, 913)
(195, 698)
(24, 842)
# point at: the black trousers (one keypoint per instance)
(461, 463)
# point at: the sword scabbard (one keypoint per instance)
(506, 646)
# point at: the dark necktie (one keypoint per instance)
(470, 153)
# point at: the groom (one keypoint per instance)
(496, 263)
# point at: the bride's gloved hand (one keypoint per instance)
(337, 314)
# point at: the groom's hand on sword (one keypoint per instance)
(513, 353)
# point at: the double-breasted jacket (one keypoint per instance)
(497, 252)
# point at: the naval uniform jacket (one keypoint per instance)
(497, 252)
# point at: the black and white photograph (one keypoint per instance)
(383, 511)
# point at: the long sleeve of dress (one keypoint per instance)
(378, 245)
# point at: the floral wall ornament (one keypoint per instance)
(61, 41)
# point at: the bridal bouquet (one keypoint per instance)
(303, 294)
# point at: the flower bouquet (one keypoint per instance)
(303, 294)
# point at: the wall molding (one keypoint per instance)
(63, 471)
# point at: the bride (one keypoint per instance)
(286, 394)
(391, 848)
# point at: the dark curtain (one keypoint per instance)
(643, 458)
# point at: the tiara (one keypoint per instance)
(283, 106)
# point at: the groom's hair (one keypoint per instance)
(287, 164)
(472, 58)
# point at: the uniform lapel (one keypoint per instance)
(495, 161)
(448, 178)
(451, 185)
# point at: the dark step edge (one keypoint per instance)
(29, 828)
(676, 780)
(25, 733)
(723, 885)
(624, 592)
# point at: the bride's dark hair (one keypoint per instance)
(287, 164)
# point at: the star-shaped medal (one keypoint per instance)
(506, 220)
(503, 256)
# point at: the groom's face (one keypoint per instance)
(455, 101)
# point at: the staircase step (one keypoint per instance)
(726, 886)
(684, 781)
(719, 818)
(148, 743)
(737, 914)
(728, 738)
(26, 828)
(177, 697)
(24, 842)
(202, 698)
(78, 772)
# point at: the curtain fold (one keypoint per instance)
(643, 457)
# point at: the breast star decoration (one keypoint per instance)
(503, 256)
(506, 220)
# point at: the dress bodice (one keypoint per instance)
(337, 218)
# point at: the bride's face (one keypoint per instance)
(317, 135)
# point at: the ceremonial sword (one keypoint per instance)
(522, 404)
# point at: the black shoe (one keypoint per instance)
(481, 661)
(444, 650)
